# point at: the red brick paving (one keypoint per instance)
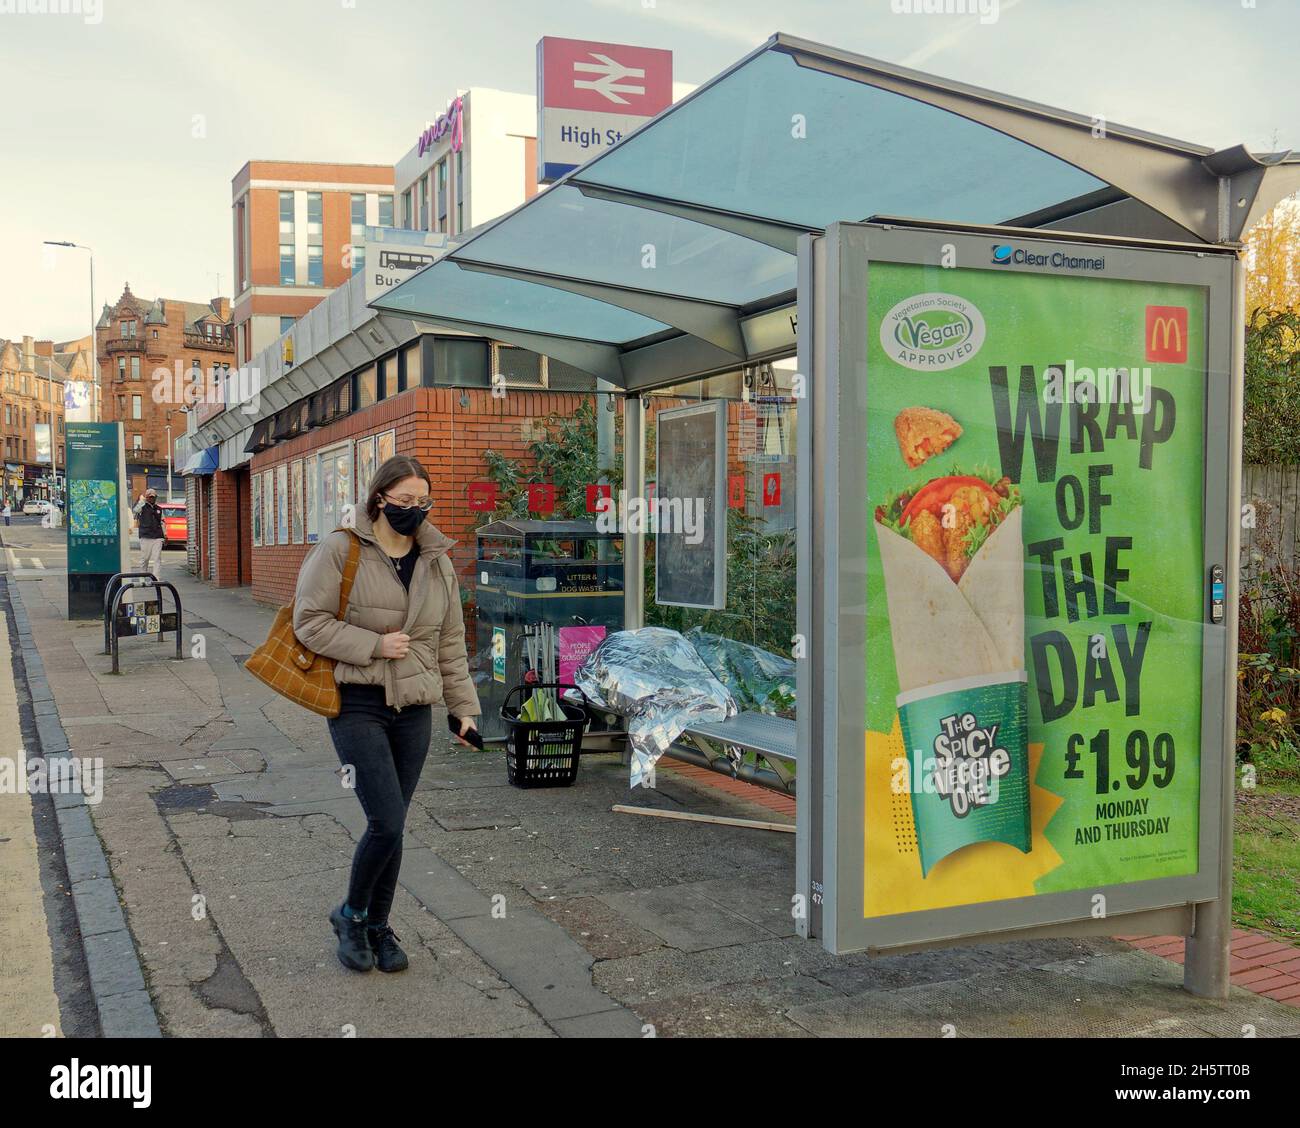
(1258, 962)
(764, 797)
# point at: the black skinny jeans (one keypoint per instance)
(387, 749)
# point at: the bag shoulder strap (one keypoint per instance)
(349, 576)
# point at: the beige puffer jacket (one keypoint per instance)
(436, 669)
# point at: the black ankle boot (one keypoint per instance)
(354, 949)
(383, 942)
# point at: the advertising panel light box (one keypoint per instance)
(1029, 508)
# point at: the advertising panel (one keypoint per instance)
(689, 514)
(1022, 534)
(1034, 585)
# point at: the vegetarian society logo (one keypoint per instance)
(932, 332)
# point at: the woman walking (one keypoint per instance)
(399, 650)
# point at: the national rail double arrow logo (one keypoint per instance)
(610, 83)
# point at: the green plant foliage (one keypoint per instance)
(565, 456)
(1272, 394)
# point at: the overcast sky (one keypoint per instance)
(97, 128)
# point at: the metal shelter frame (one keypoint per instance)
(718, 181)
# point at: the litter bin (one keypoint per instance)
(565, 573)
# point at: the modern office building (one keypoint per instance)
(298, 233)
(475, 161)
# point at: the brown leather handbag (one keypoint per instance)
(293, 671)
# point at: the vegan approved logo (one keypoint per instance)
(932, 332)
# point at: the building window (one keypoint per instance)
(154, 333)
(136, 408)
(411, 367)
(442, 194)
(135, 368)
(286, 323)
(385, 211)
(460, 191)
(121, 368)
(315, 266)
(365, 387)
(424, 203)
(358, 232)
(408, 220)
(335, 491)
(286, 264)
(315, 214)
(463, 363)
(137, 442)
(286, 216)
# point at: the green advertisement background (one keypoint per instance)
(1044, 320)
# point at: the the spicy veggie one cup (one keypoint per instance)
(952, 554)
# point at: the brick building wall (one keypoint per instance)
(140, 340)
(31, 392)
(228, 558)
(448, 437)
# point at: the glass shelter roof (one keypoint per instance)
(663, 244)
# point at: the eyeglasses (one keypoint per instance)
(406, 501)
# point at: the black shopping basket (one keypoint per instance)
(543, 753)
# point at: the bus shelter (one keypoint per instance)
(979, 367)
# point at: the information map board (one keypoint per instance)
(1024, 525)
(98, 528)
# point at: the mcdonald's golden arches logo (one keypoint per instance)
(1166, 331)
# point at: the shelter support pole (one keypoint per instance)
(1206, 967)
(634, 485)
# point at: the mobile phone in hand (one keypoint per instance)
(454, 723)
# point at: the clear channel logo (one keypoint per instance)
(1004, 254)
(932, 332)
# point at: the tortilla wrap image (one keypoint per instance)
(952, 557)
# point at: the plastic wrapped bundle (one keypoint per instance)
(757, 678)
(656, 679)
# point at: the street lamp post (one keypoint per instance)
(94, 343)
(168, 428)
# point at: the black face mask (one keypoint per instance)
(404, 522)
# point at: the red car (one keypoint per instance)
(175, 523)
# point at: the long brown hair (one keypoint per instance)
(391, 472)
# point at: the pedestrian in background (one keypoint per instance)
(399, 649)
(8, 511)
(148, 516)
